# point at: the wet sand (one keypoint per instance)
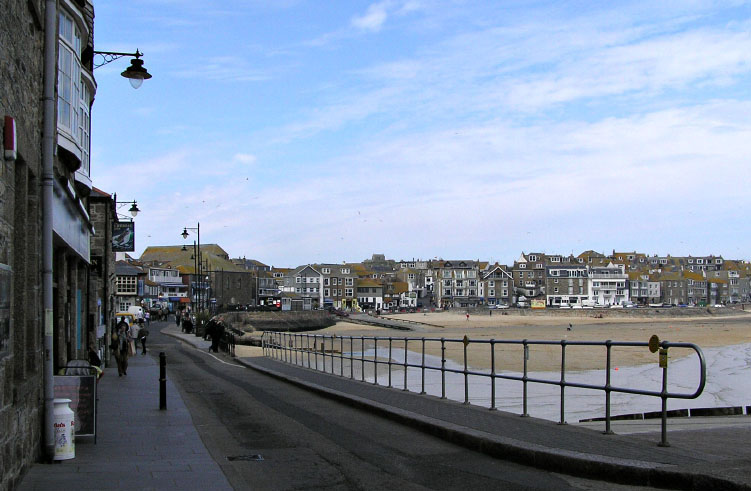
(704, 331)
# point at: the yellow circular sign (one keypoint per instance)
(654, 343)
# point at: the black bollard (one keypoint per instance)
(162, 381)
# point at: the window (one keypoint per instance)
(348, 292)
(491, 283)
(325, 282)
(297, 279)
(326, 270)
(555, 281)
(531, 274)
(345, 270)
(126, 285)
(411, 276)
(522, 266)
(326, 292)
(349, 281)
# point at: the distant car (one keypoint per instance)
(682, 305)
(577, 307)
(501, 306)
(616, 306)
(564, 306)
(718, 305)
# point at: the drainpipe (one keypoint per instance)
(48, 155)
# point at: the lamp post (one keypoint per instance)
(135, 73)
(196, 255)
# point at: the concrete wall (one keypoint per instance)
(21, 360)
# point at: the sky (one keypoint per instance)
(303, 132)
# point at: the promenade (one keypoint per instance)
(140, 447)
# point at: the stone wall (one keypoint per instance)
(21, 357)
(279, 321)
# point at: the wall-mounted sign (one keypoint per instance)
(123, 237)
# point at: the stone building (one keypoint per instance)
(21, 350)
(45, 223)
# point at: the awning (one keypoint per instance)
(184, 300)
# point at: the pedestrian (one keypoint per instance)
(142, 335)
(467, 316)
(119, 346)
(135, 328)
(177, 317)
(147, 316)
(217, 334)
(187, 324)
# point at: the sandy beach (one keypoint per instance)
(704, 331)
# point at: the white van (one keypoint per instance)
(136, 311)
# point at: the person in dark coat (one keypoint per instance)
(217, 334)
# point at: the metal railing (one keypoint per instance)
(307, 349)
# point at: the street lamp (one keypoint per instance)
(133, 206)
(135, 73)
(197, 253)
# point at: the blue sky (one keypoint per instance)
(300, 131)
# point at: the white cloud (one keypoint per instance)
(373, 19)
(244, 158)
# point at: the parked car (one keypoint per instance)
(501, 306)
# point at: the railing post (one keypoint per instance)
(466, 375)
(162, 381)
(307, 347)
(405, 363)
(422, 366)
(608, 430)
(351, 358)
(664, 397)
(341, 356)
(443, 368)
(375, 360)
(389, 362)
(362, 358)
(492, 375)
(525, 414)
(563, 382)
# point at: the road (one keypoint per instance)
(307, 441)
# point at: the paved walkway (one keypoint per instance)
(138, 446)
(131, 452)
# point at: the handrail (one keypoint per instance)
(282, 345)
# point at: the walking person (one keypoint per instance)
(142, 335)
(119, 346)
(216, 335)
(135, 328)
(147, 316)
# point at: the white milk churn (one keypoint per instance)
(65, 430)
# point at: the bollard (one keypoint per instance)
(162, 381)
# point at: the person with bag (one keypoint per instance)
(119, 346)
(142, 334)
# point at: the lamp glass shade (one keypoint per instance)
(136, 73)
